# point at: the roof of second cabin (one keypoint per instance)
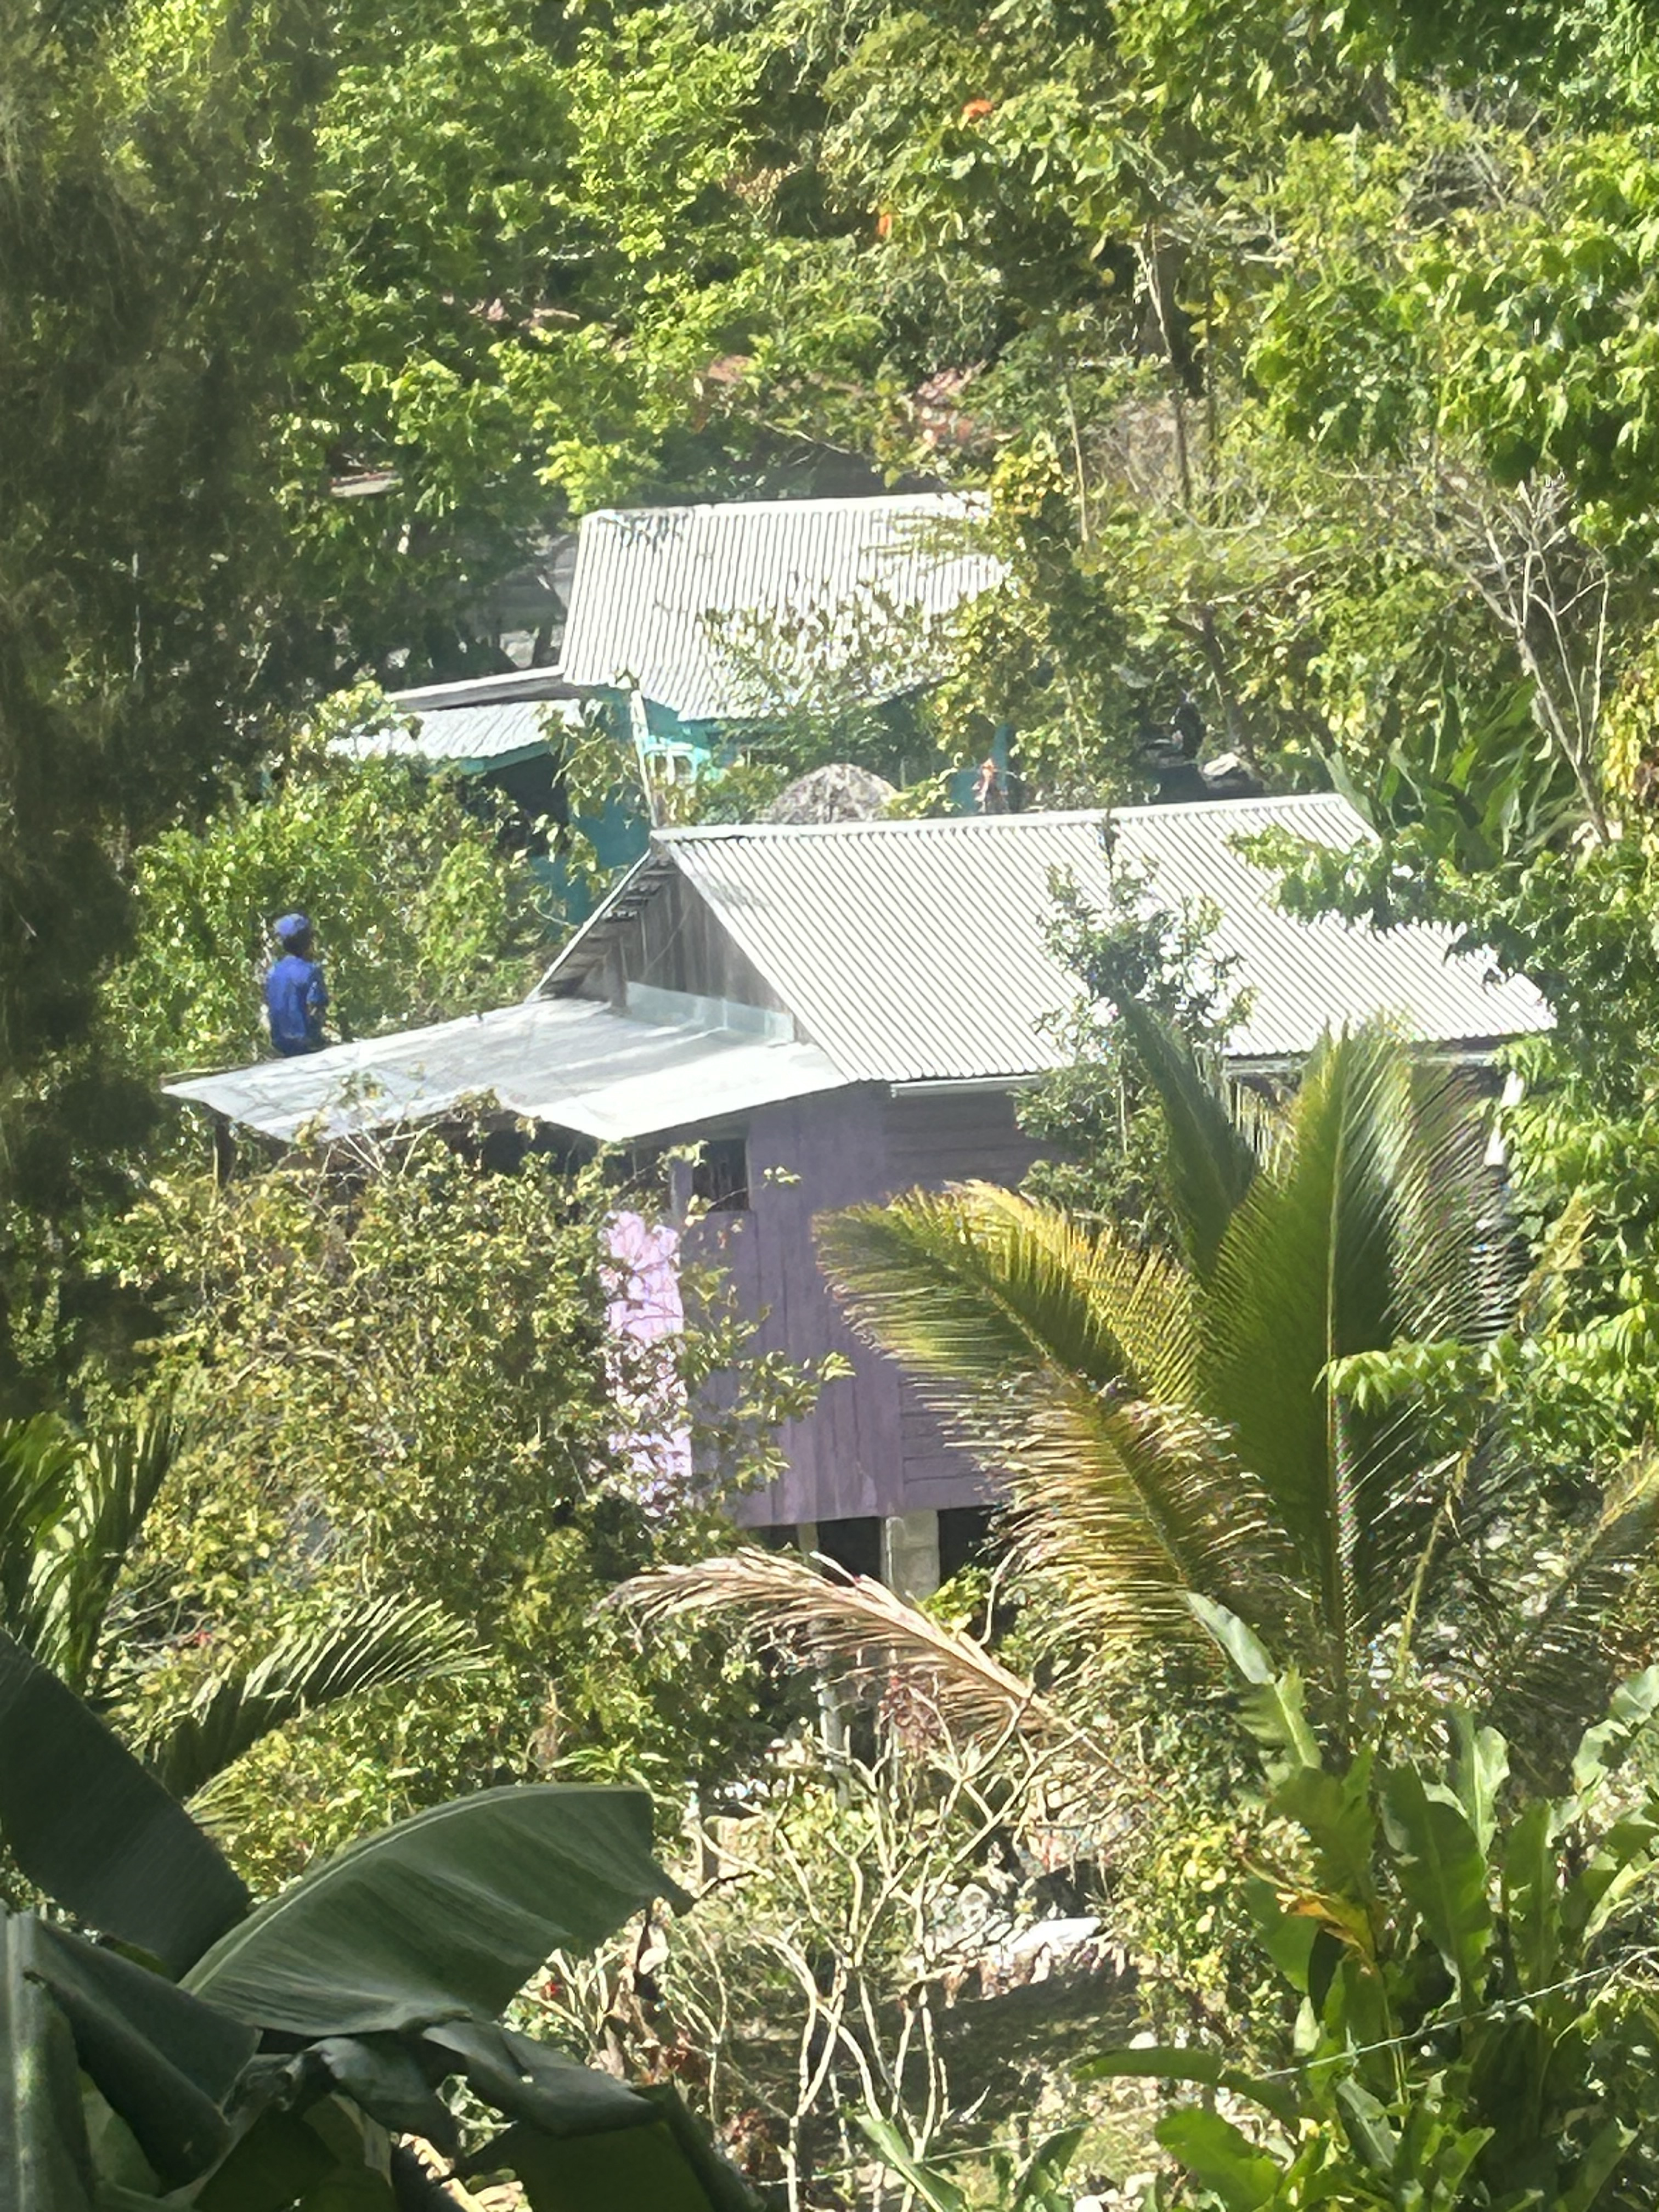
(675, 600)
(918, 952)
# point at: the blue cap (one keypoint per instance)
(292, 925)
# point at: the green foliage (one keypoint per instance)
(1472, 2026)
(359, 1648)
(1035, 2185)
(1100, 1111)
(1241, 1428)
(418, 914)
(421, 914)
(479, 1893)
(1576, 1119)
(73, 1509)
(404, 1380)
(73, 1516)
(278, 2067)
(89, 1825)
(151, 244)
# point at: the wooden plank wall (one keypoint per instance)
(934, 1139)
(869, 1446)
(677, 943)
(808, 1156)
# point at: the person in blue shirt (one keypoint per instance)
(296, 993)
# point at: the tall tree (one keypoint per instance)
(155, 222)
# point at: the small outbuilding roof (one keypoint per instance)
(488, 721)
(681, 602)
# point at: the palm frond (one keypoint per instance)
(1458, 1267)
(1210, 1162)
(855, 1629)
(1300, 1279)
(117, 1476)
(1361, 1230)
(1123, 1507)
(37, 1462)
(1553, 1674)
(358, 1647)
(972, 1286)
(1167, 1429)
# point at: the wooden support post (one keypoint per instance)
(910, 1554)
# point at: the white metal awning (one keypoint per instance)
(572, 1063)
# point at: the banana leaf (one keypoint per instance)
(384, 2078)
(444, 1915)
(525, 2081)
(164, 2061)
(45, 2163)
(627, 2170)
(100, 1835)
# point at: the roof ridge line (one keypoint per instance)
(975, 500)
(712, 832)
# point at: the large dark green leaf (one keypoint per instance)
(525, 2081)
(630, 2169)
(98, 1834)
(279, 2159)
(1532, 1895)
(1219, 2157)
(1273, 1705)
(45, 2165)
(1441, 1867)
(384, 2078)
(1334, 1810)
(164, 2061)
(1603, 1749)
(448, 1913)
(931, 2189)
(724, 2186)
(1190, 2062)
(1365, 2123)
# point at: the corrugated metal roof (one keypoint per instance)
(487, 691)
(913, 952)
(478, 729)
(658, 591)
(572, 1063)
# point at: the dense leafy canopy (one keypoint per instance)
(1309, 364)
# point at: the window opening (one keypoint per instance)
(720, 1177)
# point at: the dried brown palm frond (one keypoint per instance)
(857, 1631)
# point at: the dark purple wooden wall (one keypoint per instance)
(869, 1446)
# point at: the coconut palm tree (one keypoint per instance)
(1262, 1420)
